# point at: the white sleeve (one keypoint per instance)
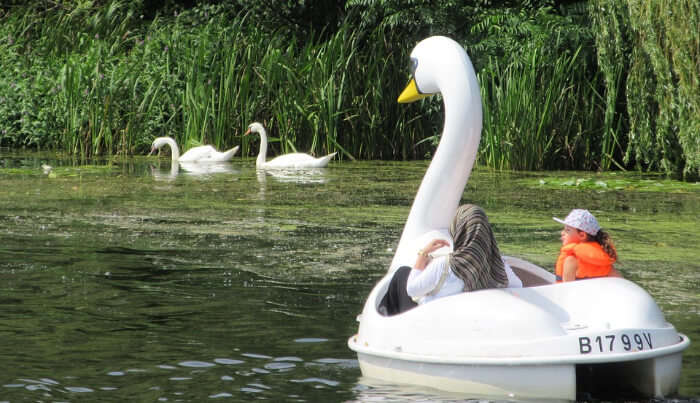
(421, 282)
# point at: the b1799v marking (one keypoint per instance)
(609, 343)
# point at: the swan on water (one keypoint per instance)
(205, 153)
(293, 160)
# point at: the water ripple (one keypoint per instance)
(317, 380)
(196, 364)
(261, 356)
(295, 359)
(78, 389)
(228, 361)
(311, 340)
(220, 395)
(279, 365)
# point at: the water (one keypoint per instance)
(124, 280)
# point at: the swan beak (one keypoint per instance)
(152, 150)
(247, 132)
(411, 93)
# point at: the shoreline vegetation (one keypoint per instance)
(594, 85)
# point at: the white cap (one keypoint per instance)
(582, 220)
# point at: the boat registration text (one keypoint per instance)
(611, 342)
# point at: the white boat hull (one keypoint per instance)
(550, 341)
(653, 377)
(476, 380)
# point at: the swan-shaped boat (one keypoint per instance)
(292, 160)
(204, 153)
(544, 340)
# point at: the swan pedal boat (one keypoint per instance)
(544, 340)
(541, 341)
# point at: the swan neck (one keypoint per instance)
(442, 187)
(174, 168)
(174, 150)
(262, 154)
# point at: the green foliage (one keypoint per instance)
(539, 89)
(537, 112)
(608, 25)
(295, 18)
(652, 50)
(106, 77)
(419, 17)
(650, 183)
(25, 94)
(510, 35)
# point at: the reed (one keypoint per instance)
(98, 81)
(206, 80)
(534, 111)
(650, 54)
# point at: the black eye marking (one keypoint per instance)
(414, 65)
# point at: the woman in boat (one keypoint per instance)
(474, 264)
(587, 251)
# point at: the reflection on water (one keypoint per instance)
(294, 175)
(372, 390)
(194, 169)
(301, 176)
(246, 285)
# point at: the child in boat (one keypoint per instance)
(474, 264)
(587, 251)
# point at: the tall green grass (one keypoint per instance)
(650, 53)
(534, 112)
(203, 78)
(93, 80)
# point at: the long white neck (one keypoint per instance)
(174, 150)
(441, 190)
(174, 168)
(262, 154)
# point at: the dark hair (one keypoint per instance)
(603, 238)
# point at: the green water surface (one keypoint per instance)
(127, 279)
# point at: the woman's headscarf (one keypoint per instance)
(476, 258)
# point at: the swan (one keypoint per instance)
(440, 65)
(205, 153)
(293, 160)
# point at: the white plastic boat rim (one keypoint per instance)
(682, 344)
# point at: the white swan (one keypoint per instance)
(196, 154)
(440, 65)
(293, 160)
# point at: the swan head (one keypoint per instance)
(433, 63)
(255, 127)
(158, 143)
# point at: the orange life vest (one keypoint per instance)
(592, 260)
